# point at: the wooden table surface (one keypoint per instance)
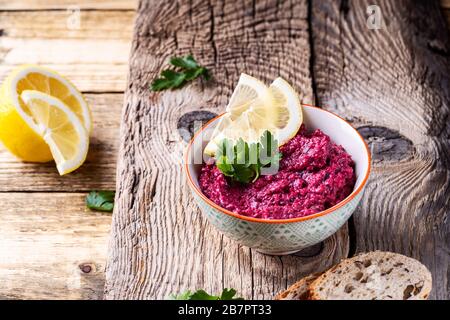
(50, 245)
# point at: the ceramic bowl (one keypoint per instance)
(284, 236)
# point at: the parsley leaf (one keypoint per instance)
(176, 78)
(244, 162)
(227, 294)
(100, 200)
(187, 70)
(202, 295)
(187, 62)
(182, 296)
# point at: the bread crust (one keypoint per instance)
(314, 292)
(299, 290)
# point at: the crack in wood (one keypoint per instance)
(211, 32)
(352, 235)
(310, 252)
(316, 100)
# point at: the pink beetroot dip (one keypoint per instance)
(314, 175)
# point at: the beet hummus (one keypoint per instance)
(314, 175)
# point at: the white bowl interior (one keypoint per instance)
(314, 118)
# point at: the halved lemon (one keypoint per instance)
(255, 108)
(16, 134)
(60, 128)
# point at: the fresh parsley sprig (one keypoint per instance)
(100, 200)
(243, 162)
(227, 294)
(186, 69)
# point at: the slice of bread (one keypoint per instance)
(373, 276)
(299, 290)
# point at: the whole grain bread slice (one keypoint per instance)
(299, 290)
(373, 276)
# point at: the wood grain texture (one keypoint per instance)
(94, 24)
(46, 253)
(99, 170)
(64, 4)
(396, 81)
(51, 246)
(94, 57)
(101, 70)
(160, 243)
(51, 239)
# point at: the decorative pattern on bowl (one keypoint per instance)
(278, 238)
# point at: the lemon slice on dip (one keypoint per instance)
(249, 92)
(15, 117)
(288, 113)
(59, 127)
(254, 108)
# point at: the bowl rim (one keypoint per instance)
(278, 221)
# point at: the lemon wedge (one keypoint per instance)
(18, 132)
(59, 127)
(288, 110)
(255, 108)
(249, 92)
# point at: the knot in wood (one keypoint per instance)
(86, 267)
(386, 144)
(190, 122)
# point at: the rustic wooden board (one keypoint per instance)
(160, 242)
(65, 4)
(94, 24)
(44, 38)
(51, 247)
(392, 81)
(396, 80)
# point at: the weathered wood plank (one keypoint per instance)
(60, 254)
(64, 267)
(39, 25)
(44, 38)
(101, 70)
(65, 4)
(99, 170)
(160, 242)
(51, 247)
(396, 80)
